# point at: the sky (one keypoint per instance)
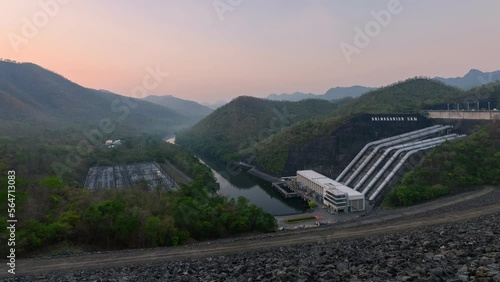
(219, 49)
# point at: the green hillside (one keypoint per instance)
(247, 120)
(58, 214)
(33, 98)
(410, 95)
(186, 107)
(471, 162)
(52, 130)
(226, 131)
(271, 153)
(486, 93)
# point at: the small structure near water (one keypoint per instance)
(284, 190)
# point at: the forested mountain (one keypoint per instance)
(410, 95)
(246, 120)
(332, 94)
(344, 92)
(472, 79)
(294, 97)
(32, 98)
(225, 132)
(52, 130)
(487, 95)
(489, 92)
(185, 107)
(58, 214)
(471, 162)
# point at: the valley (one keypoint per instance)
(226, 140)
(144, 192)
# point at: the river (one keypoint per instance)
(258, 192)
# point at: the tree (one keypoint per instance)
(53, 182)
(152, 230)
(312, 204)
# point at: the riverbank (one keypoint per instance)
(176, 173)
(251, 186)
(259, 192)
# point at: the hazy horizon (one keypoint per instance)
(217, 50)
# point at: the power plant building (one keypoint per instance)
(335, 195)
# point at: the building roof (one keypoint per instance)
(331, 189)
(334, 185)
(310, 174)
(329, 183)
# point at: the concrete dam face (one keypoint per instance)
(330, 155)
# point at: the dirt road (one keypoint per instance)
(368, 227)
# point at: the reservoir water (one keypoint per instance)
(258, 192)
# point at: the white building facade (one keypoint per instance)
(335, 195)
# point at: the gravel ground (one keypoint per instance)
(465, 251)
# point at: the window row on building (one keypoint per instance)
(335, 195)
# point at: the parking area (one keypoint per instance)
(321, 217)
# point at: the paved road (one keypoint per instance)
(414, 210)
(363, 228)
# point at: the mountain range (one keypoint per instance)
(470, 80)
(215, 105)
(185, 107)
(33, 98)
(331, 94)
(244, 128)
(246, 120)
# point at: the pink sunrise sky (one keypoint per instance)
(253, 47)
